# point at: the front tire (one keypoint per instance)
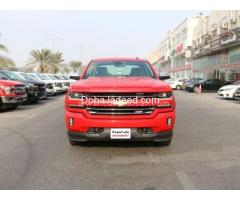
(195, 89)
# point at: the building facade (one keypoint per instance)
(173, 54)
(216, 46)
(181, 37)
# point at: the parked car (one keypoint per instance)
(208, 85)
(34, 89)
(115, 80)
(12, 93)
(176, 83)
(57, 83)
(228, 91)
(187, 84)
(237, 94)
(65, 77)
(42, 87)
(50, 87)
(65, 83)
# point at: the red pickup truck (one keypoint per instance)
(12, 94)
(119, 99)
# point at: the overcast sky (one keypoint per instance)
(87, 34)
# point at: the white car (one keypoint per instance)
(175, 83)
(58, 84)
(50, 85)
(228, 91)
(66, 82)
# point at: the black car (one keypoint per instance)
(187, 85)
(35, 89)
(208, 84)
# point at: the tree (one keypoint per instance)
(5, 62)
(44, 61)
(39, 61)
(56, 60)
(76, 66)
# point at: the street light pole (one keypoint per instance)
(54, 42)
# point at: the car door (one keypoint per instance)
(208, 84)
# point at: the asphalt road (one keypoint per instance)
(204, 154)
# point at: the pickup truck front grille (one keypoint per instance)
(59, 85)
(20, 89)
(41, 87)
(121, 95)
(120, 110)
(49, 86)
(67, 84)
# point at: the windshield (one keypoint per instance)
(62, 77)
(52, 77)
(13, 76)
(28, 77)
(57, 77)
(3, 76)
(42, 77)
(66, 77)
(115, 69)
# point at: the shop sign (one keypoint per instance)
(228, 37)
(179, 48)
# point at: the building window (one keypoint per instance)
(184, 34)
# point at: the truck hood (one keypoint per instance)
(120, 84)
(10, 83)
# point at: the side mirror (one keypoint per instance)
(75, 77)
(164, 77)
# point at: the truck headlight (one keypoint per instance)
(164, 95)
(6, 89)
(76, 95)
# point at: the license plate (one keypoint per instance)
(120, 133)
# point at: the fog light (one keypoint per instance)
(71, 121)
(169, 121)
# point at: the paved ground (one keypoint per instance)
(205, 152)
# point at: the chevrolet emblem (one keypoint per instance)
(120, 103)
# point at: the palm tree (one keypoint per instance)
(43, 61)
(5, 62)
(3, 48)
(55, 61)
(76, 66)
(39, 61)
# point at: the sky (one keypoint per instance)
(83, 35)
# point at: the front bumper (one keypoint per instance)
(83, 122)
(105, 136)
(42, 95)
(226, 94)
(58, 89)
(11, 101)
(50, 92)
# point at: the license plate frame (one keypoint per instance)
(120, 133)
